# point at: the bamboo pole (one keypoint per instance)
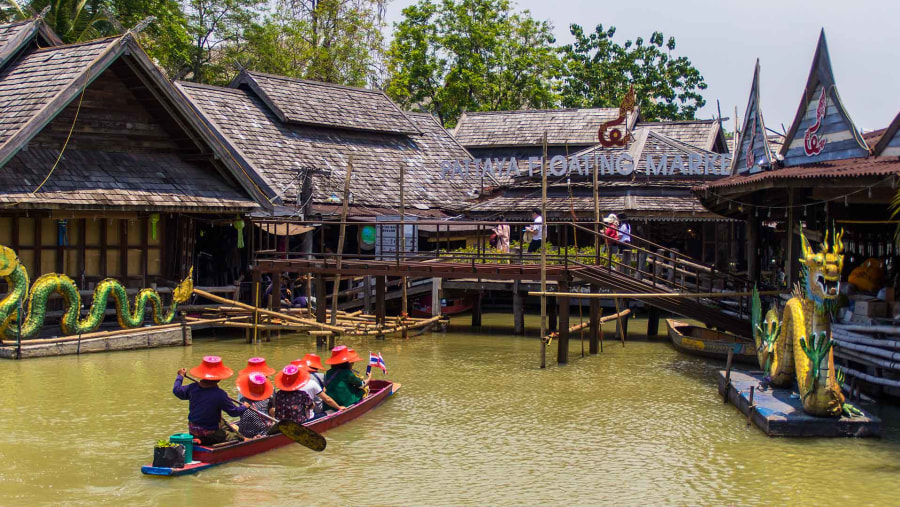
(403, 302)
(621, 326)
(543, 253)
(647, 295)
(256, 313)
(311, 323)
(345, 208)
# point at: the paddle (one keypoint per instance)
(293, 430)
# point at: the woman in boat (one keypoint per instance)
(207, 401)
(315, 388)
(343, 384)
(256, 390)
(292, 403)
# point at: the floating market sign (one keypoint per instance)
(622, 164)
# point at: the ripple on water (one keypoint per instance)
(475, 423)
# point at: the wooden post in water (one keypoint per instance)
(435, 297)
(544, 254)
(380, 285)
(518, 309)
(750, 409)
(403, 295)
(255, 277)
(345, 209)
(476, 310)
(653, 322)
(621, 323)
(727, 383)
(594, 341)
(562, 345)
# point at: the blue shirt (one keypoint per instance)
(207, 403)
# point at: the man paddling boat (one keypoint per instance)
(208, 401)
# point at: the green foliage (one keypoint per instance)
(452, 56)
(599, 71)
(164, 443)
(336, 41)
(166, 39)
(555, 255)
(72, 20)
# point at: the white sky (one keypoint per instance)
(723, 39)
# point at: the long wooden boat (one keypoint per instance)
(206, 457)
(453, 306)
(700, 341)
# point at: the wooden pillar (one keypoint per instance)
(552, 315)
(380, 284)
(622, 323)
(321, 299)
(367, 295)
(594, 340)
(275, 300)
(257, 294)
(518, 310)
(476, 310)
(753, 255)
(435, 297)
(653, 322)
(562, 344)
(792, 268)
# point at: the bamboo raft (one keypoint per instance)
(341, 323)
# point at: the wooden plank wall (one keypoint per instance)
(836, 127)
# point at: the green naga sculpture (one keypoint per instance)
(72, 322)
(798, 343)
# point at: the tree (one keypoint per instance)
(598, 72)
(337, 41)
(166, 39)
(72, 20)
(214, 26)
(471, 55)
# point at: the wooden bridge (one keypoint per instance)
(661, 278)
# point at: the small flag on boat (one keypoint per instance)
(377, 361)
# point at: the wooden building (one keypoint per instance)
(105, 170)
(300, 136)
(826, 171)
(657, 202)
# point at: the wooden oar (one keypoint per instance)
(291, 429)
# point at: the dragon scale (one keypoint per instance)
(34, 302)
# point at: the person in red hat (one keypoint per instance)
(257, 364)
(255, 389)
(292, 403)
(207, 401)
(315, 388)
(343, 384)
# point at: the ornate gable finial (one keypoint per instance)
(618, 137)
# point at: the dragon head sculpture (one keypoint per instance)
(822, 270)
(184, 290)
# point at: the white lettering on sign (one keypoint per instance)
(622, 164)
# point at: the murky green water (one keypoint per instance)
(476, 422)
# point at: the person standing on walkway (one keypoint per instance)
(625, 239)
(502, 232)
(537, 231)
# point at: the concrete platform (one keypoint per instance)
(778, 411)
(140, 338)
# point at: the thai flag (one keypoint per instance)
(377, 361)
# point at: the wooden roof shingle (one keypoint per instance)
(329, 105)
(527, 127)
(284, 153)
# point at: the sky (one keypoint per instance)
(724, 38)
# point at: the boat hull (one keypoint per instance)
(206, 457)
(703, 342)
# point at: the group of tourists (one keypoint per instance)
(303, 394)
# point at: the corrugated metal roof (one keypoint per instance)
(848, 168)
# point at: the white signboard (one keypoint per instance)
(622, 164)
(386, 237)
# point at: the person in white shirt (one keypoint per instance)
(625, 240)
(537, 231)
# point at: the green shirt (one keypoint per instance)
(344, 386)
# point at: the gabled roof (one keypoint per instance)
(822, 130)
(703, 134)
(576, 127)
(286, 153)
(39, 85)
(753, 143)
(305, 102)
(888, 144)
(14, 37)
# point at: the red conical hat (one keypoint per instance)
(291, 378)
(212, 369)
(254, 386)
(341, 354)
(310, 361)
(257, 364)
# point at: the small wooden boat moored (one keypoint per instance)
(700, 341)
(206, 457)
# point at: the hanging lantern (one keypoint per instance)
(154, 219)
(62, 238)
(239, 225)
